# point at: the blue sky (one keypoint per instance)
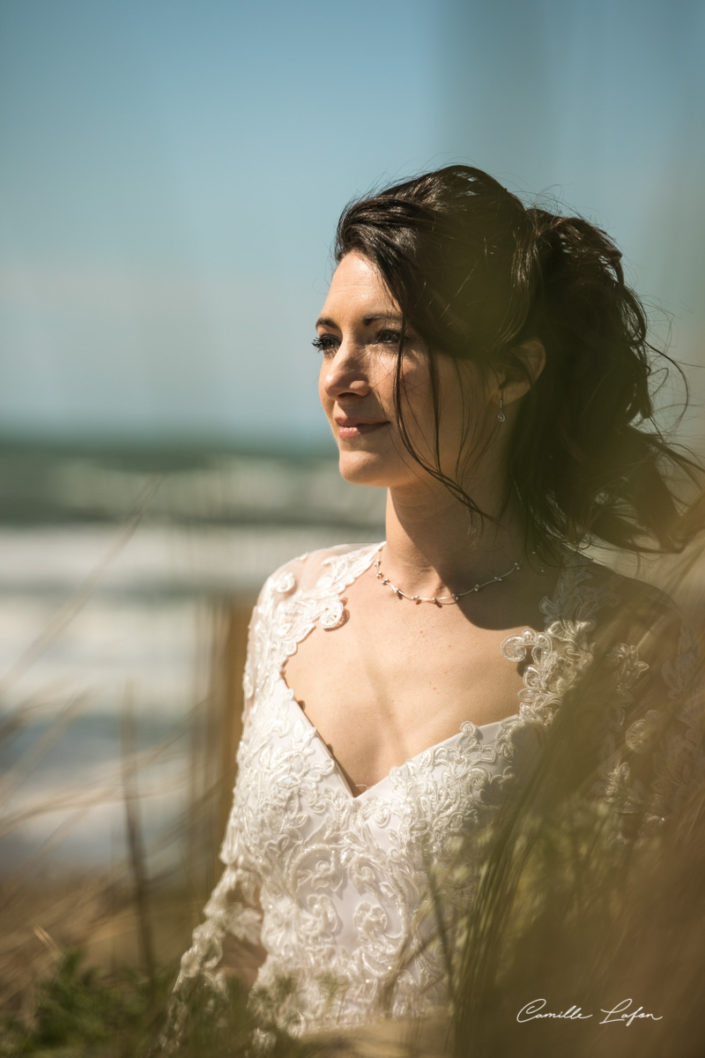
(173, 173)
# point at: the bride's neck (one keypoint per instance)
(435, 536)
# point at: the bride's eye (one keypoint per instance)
(387, 336)
(325, 343)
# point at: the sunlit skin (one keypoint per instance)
(399, 677)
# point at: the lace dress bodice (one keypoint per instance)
(337, 888)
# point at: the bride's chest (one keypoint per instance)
(364, 676)
(380, 693)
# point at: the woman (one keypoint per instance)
(487, 366)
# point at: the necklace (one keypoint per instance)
(439, 600)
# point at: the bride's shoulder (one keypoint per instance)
(306, 570)
(641, 612)
(625, 587)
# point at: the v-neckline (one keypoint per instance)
(545, 602)
(466, 725)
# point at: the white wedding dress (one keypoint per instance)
(338, 889)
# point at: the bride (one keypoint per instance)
(486, 365)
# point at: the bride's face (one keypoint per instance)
(359, 330)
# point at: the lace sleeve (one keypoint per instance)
(223, 943)
(658, 745)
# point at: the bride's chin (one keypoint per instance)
(386, 472)
(362, 468)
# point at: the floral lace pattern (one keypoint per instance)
(336, 887)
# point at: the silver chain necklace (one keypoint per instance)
(440, 600)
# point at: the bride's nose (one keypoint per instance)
(345, 372)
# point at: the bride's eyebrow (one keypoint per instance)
(391, 317)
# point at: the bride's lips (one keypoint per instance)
(350, 428)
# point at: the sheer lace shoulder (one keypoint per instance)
(620, 652)
(642, 682)
(293, 598)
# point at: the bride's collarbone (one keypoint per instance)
(366, 683)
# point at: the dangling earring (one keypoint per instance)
(501, 417)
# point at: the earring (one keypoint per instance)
(501, 417)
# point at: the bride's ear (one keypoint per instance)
(517, 378)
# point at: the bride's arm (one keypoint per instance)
(227, 942)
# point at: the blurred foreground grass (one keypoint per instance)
(80, 1010)
(88, 956)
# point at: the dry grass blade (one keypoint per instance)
(135, 842)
